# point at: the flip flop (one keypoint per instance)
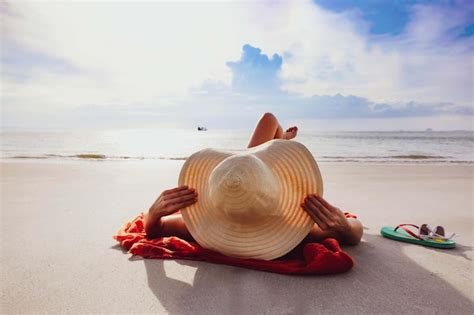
(404, 234)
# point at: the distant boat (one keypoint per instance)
(202, 128)
(428, 129)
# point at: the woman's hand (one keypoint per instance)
(326, 216)
(172, 200)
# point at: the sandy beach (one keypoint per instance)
(58, 255)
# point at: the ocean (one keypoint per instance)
(177, 144)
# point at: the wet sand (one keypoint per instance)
(58, 255)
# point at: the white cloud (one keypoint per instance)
(138, 51)
(333, 53)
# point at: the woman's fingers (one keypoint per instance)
(179, 199)
(313, 216)
(336, 219)
(175, 207)
(179, 193)
(170, 191)
(325, 203)
(336, 214)
(327, 213)
(323, 212)
(321, 220)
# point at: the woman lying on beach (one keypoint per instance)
(329, 220)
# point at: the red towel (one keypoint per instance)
(307, 258)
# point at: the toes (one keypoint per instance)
(291, 132)
(292, 129)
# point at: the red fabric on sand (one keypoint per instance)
(307, 258)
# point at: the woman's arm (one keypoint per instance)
(350, 238)
(159, 221)
(171, 225)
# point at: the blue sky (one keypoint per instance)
(385, 17)
(331, 64)
(391, 17)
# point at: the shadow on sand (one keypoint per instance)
(383, 280)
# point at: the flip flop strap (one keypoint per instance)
(402, 226)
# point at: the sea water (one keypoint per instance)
(148, 144)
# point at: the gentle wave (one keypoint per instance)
(420, 158)
(88, 156)
(407, 157)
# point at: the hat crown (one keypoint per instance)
(244, 188)
(233, 181)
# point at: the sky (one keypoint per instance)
(322, 64)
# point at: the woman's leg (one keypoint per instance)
(268, 128)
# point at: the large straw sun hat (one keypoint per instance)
(249, 203)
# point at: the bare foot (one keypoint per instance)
(290, 133)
